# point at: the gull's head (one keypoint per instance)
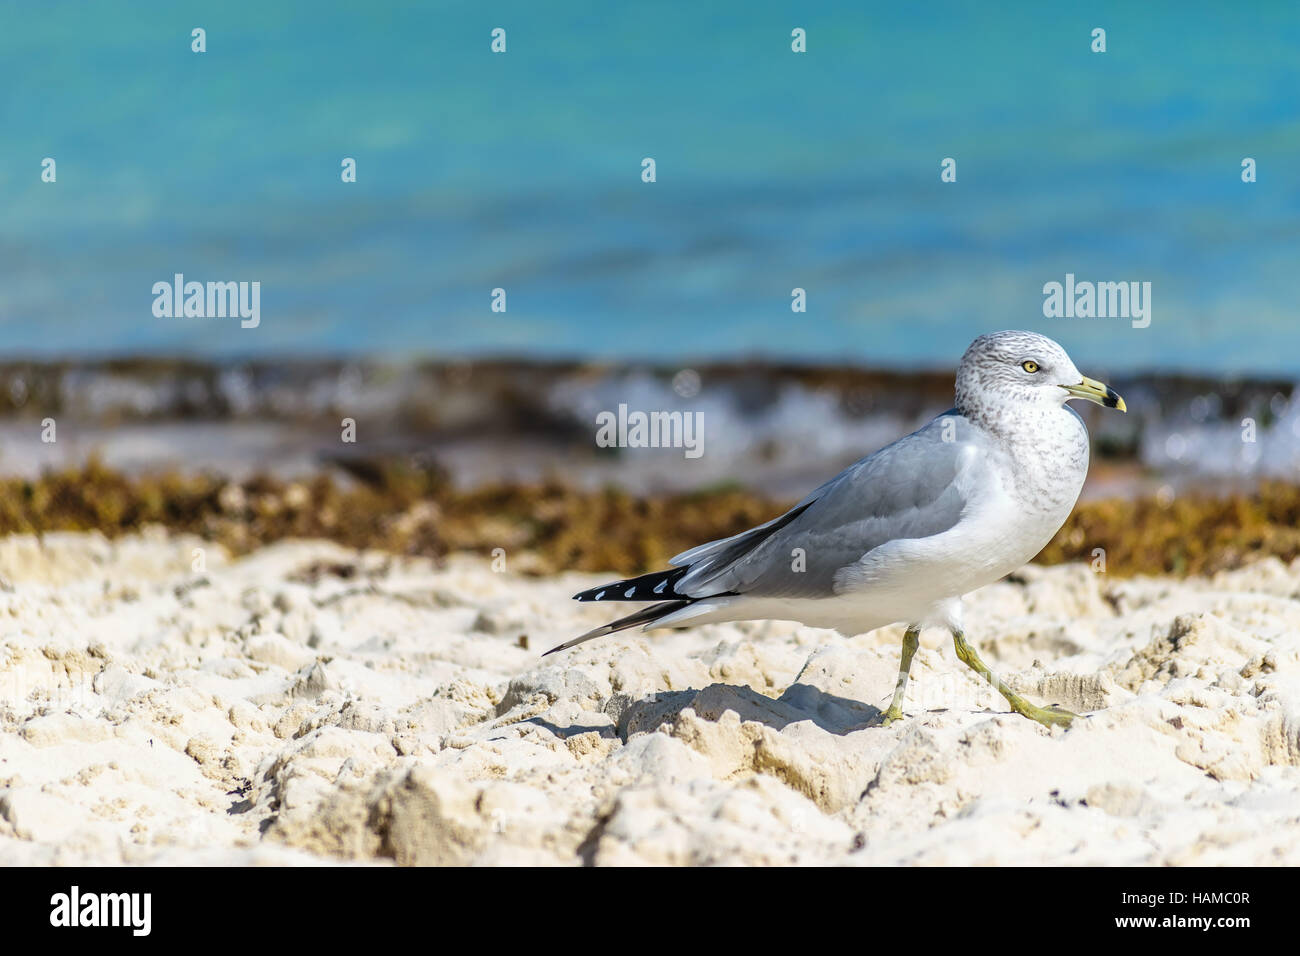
(1025, 367)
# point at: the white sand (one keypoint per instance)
(311, 704)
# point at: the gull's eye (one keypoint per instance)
(1030, 366)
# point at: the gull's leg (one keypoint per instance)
(911, 640)
(1047, 716)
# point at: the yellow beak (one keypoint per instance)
(1095, 391)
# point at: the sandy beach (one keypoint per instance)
(308, 703)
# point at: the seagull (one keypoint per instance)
(901, 535)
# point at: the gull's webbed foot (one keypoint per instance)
(890, 716)
(1047, 716)
(1052, 716)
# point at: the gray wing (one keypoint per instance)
(905, 490)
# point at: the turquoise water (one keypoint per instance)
(775, 170)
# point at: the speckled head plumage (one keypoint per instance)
(1014, 366)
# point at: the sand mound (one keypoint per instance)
(311, 703)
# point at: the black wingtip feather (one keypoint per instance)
(655, 586)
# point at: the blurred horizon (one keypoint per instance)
(775, 170)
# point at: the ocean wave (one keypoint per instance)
(779, 428)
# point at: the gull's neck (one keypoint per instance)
(1046, 442)
(1009, 417)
